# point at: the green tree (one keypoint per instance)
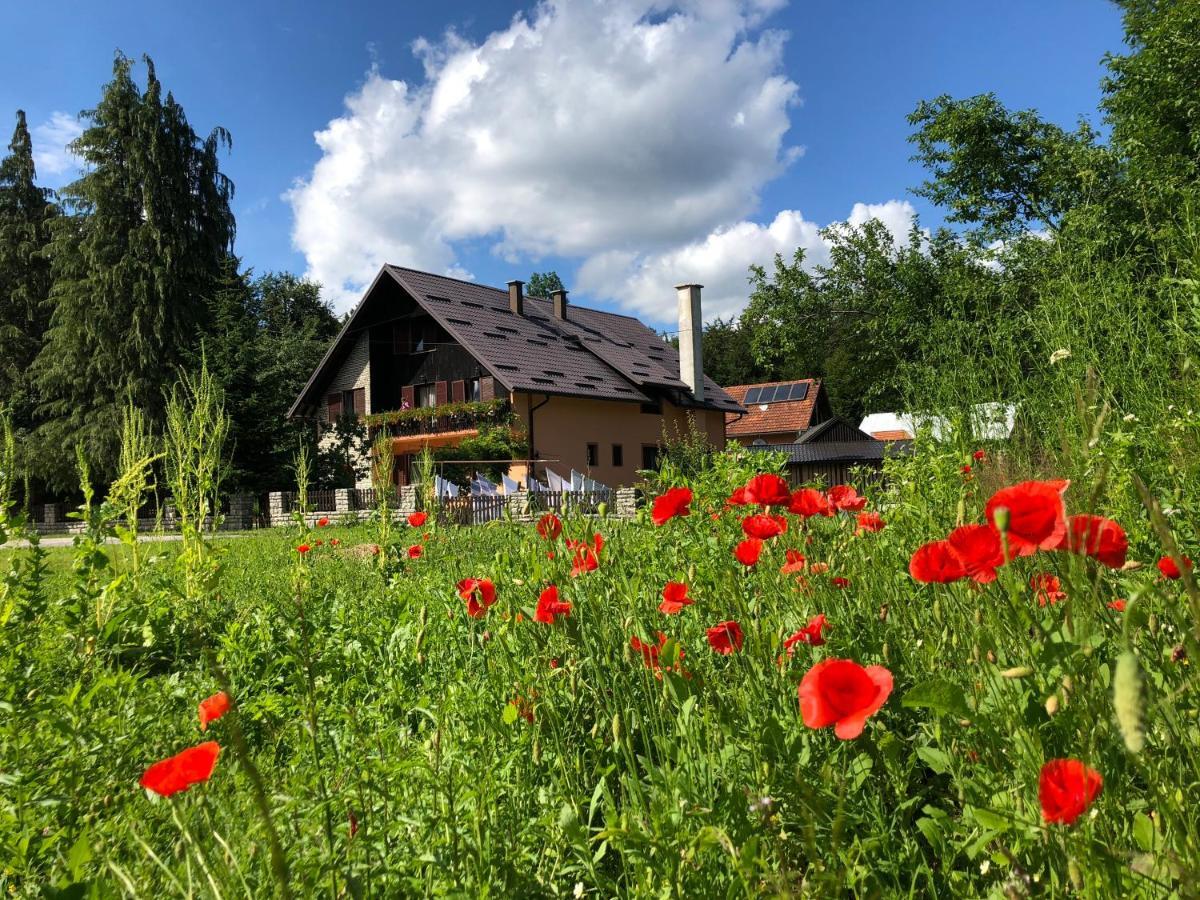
(542, 284)
(147, 240)
(26, 212)
(729, 354)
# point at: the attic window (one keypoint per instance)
(585, 385)
(554, 372)
(437, 299)
(459, 321)
(506, 329)
(495, 336)
(507, 368)
(537, 380)
(472, 304)
(536, 342)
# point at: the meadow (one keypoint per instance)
(394, 729)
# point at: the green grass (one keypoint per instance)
(370, 696)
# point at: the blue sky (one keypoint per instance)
(628, 146)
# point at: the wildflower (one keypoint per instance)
(549, 527)
(763, 526)
(845, 497)
(979, 456)
(748, 551)
(675, 598)
(1035, 515)
(303, 548)
(1095, 536)
(870, 521)
(212, 708)
(319, 543)
(675, 502)
(1170, 569)
(810, 634)
(334, 542)
(1117, 605)
(768, 490)
(415, 551)
(841, 693)
(554, 664)
(650, 652)
(819, 568)
(1066, 788)
(587, 556)
(1127, 701)
(523, 707)
(738, 498)
(549, 607)
(179, 772)
(979, 548)
(808, 502)
(839, 582)
(795, 562)
(480, 593)
(1047, 588)
(725, 637)
(417, 519)
(936, 563)
(966, 471)
(323, 521)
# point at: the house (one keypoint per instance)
(987, 422)
(829, 452)
(777, 412)
(592, 391)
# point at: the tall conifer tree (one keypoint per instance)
(25, 214)
(148, 239)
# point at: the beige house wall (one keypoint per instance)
(564, 426)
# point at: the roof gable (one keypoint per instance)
(788, 416)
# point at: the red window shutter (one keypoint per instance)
(487, 388)
(408, 395)
(360, 401)
(334, 403)
(442, 392)
(458, 391)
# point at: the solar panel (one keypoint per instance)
(799, 391)
(771, 394)
(753, 394)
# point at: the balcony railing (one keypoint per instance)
(436, 419)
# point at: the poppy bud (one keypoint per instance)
(1017, 672)
(616, 728)
(1051, 704)
(1127, 701)
(1152, 624)
(1001, 519)
(885, 653)
(1075, 875)
(602, 509)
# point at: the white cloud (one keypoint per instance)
(585, 127)
(642, 283)
(50, 140)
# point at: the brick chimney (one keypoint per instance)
(691, 330)
(516, 297)
(560, 303)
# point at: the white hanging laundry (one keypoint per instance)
(451, 489)
(554, 480)
(576, 481)
(510, 486)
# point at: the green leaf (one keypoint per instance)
(989, 819)
(940, 696)
(509, 716)
(938, 760)
(1143, 832)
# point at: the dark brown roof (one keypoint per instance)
(591, 353)
(788, 416)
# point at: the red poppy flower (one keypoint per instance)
(549, 527)
(810, 634)
(1035, 515)
(323, 521)
(212, 708)
(768, 490)
(554, 663)
(179, 772)
(303, 548)
(979, 455)
(1116, 605)
(979, 548)
(319, 543)
(839, 582)
(1095, 536)
(415, 551)
(650, 652)
(675, 598)
(843, 496)
(1170, 570)
(966, 470)
(1066, 788)
(1047, 588)
(417, 519)
(479, 593)
(587, 556)
(870, 521)
(549, 607)
(936, 563)
(795, 562)
(334, 542)
(675, 502)
(763, 526)
(841, 693)
(748, 551)
(725, 637)
(738, 497)
(809, 502)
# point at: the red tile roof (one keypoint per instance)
(777, 418)
(891, 435)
